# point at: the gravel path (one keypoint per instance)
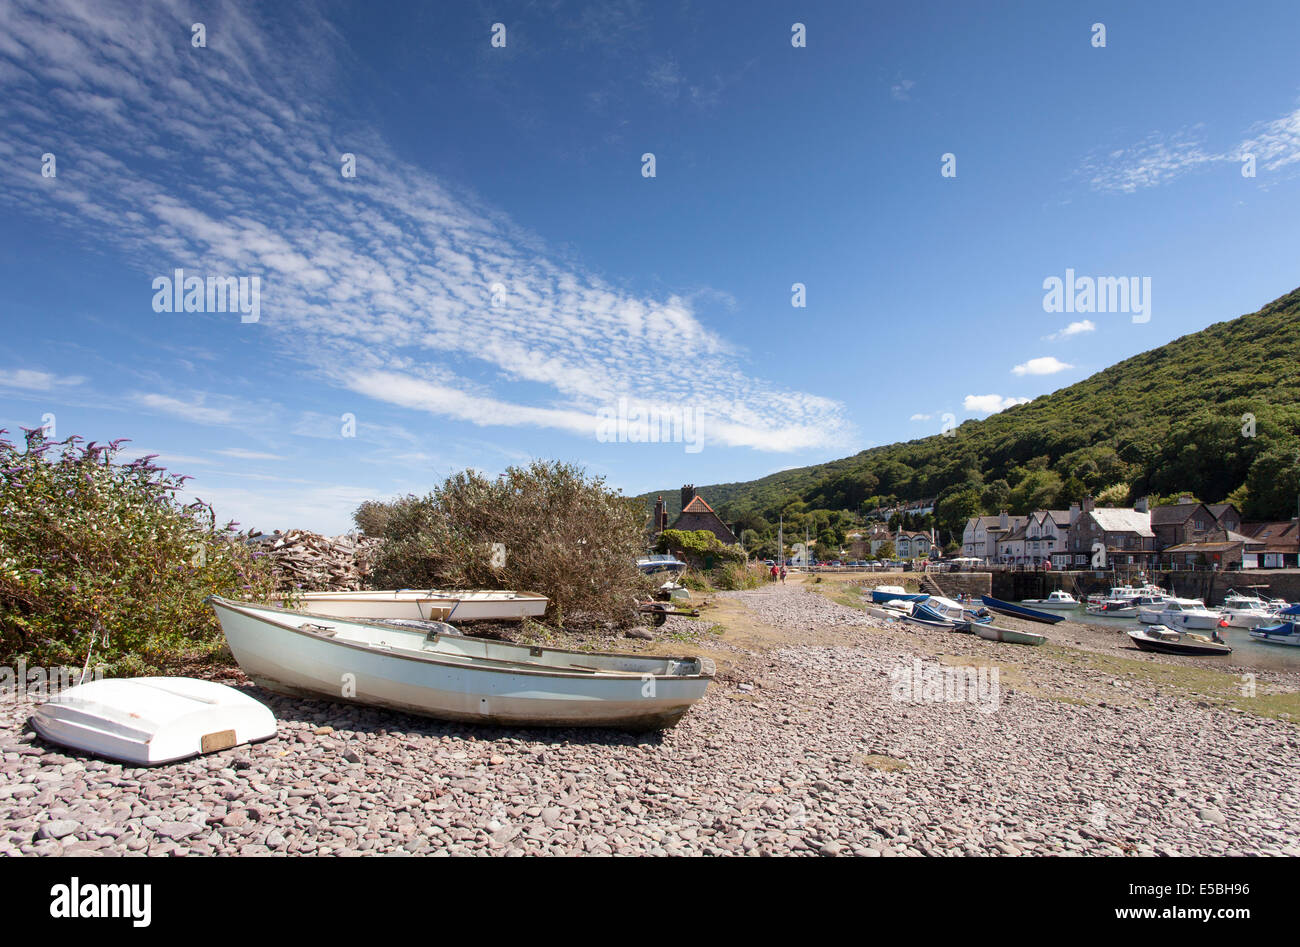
(807, 749)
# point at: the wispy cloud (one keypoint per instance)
(29, 379)
(240, 453)
(375, 277)
(901, 91)
(990, 404)
(1047, 365)
(1163, 157)
(921, 417)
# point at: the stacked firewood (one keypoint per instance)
(309, 562)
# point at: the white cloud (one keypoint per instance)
(190, 411)
(921, 417)
(1047, 365)
(990, 404)
(1073, 329)
(902, 90)
(388, 272)
(1162, 157)
(32, 380)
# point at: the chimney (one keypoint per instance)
(1074, 513)
(660, 522)
(1143, 505)
(1087, 503)
(1003, 521)
(688, 494)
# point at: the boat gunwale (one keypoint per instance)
(429, 596)
(707, 666)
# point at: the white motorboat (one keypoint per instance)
(149, 720)
(1249, 611)
(424, 604)
(1057, 599)
(455, 677)
(1183, 614)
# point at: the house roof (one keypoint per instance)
(697, 505)
(1281, 536)
(1171, 514)
(1205, 546)
(1218, 509)
(1115, 520)
(1059, 517)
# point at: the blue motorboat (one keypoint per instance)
(937, 608)
(891, 593)
(1284, 632)
(1020, 611)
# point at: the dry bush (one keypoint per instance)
(567, 536)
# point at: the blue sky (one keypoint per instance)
(520, 168)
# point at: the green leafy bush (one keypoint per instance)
(100, 559)
(566, 536)
(698, 545)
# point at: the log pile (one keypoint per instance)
(309, 562)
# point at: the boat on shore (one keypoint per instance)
(1020, 611)
(456, 677)
(888, 593)
(145, 721)
(651, 564)
(1058, 599)
(938, 608)
(1168, 641)
(425, 604)
(1009, 635)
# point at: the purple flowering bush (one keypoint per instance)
(100, 558)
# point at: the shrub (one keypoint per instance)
(734, 576)
(566, 536)
(697, 544)
(99, 555)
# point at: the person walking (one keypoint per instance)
(783, 573)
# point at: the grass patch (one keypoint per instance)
(876, 761)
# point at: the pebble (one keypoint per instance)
(819, 757)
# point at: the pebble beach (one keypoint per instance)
(806, 744)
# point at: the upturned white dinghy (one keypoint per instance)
(150, 720)
(426, 604)
(455, 677)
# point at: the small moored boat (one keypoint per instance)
(425, 604)
(1020, 611)
(1281, 632)
(456, 677)
(1009, 635)
(1167, 641)
(1057, 599)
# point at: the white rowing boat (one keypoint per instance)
(151, 720)
(455, 677)
(425, 604)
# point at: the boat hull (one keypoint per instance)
(1178, 647)
(1283, 633)
(1008, 635)
(1189, 621)
(881, 598)
(1020, 611)
(302, 662)
(431, 605)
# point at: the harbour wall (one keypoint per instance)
(1207, 585)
